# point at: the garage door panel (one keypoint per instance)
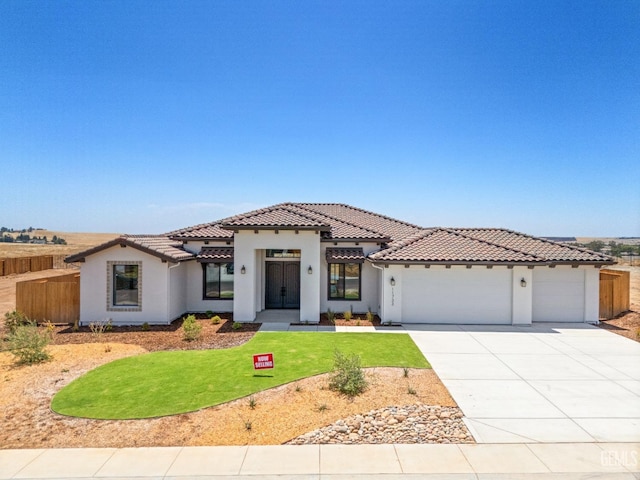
(457, 296)
(558, 295)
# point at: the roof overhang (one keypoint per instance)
(345, 255)
(124, 242)
(215, 254)
(236, 228)
(463, 263)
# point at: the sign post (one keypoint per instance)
(263, 361)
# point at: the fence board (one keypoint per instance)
(614, 292)
(56, 299)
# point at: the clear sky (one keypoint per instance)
(146, 116)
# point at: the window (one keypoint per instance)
(344, 281)
(283, 253)
(218, 281)
(125, 286)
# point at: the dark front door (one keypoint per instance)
(283, 285)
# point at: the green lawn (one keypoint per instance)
(167, 383)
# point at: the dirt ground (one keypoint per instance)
(280, 414)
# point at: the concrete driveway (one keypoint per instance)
(544, 383)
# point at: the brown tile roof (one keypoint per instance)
(548, 249)
(215, 254)
(385, 226)
(158, 246)
(282, 216)
(344, 255)
(484, 246)
(204, 231)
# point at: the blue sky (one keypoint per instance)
(146, 116)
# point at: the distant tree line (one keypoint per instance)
(22, 236)
(612, 248)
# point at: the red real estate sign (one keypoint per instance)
(262, 361)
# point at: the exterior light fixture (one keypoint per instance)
(243, 270)
(392, 281)
(309, 270)
(523, 282)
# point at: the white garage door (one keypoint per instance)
(471, 296)
(558, 295)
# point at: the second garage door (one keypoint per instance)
(456, 295)
(558, 294)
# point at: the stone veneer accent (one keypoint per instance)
(110, 306)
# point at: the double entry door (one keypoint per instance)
(282, 285)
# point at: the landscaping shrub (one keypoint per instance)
(348, 376)
(216, 320)
(331, 316)
(27, 343)
(347, 315)
(192, 329)
(370, 316)
(15, 319)
(236, 326)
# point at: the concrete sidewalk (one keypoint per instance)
(564, 461)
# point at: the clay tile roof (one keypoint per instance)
(280, 216)
(157, 245)
(344, 255)
(485, 246)
(208, 231)
(372, 222)
(549, 250)
(215, 254)
(443, 245)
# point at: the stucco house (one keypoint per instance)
(310, 257)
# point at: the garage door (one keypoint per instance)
(471, 296)
(558, 295)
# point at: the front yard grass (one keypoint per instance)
(169, 383)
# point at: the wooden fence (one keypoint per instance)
(56, 299)
(9, 266)
(614, 292)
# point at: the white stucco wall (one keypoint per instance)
(369, 286)
(177, 289)
(522, 302)
(249, 288)
(95, 299)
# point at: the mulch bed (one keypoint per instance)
(358, 320)
(164, 337)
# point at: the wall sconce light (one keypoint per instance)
(243, 270)
(392, 282)
(523, 282)
(309, 270)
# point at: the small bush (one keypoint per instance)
(236, 325)
(15, 319)
(347, 315)
(411, 391)
(209, 313)
(405, 372)
(370, 316)
(348, 376)
(98, 328)
(216, 320)
(253, 403)
(331, 316)
(192, 329)
(146, 327)
(323, 407)
(27, 343)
